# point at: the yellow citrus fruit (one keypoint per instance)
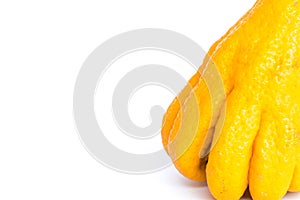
(259, 123)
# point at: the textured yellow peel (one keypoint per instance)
(295, 184)
(229, 160)
(259, 124)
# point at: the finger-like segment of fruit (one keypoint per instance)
(228, 162)
(294, 114)
(273, 161)
(170, 115)
(295, 184)
(188, 133)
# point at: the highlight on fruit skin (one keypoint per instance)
(250, 137)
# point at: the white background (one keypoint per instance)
(42, 47)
